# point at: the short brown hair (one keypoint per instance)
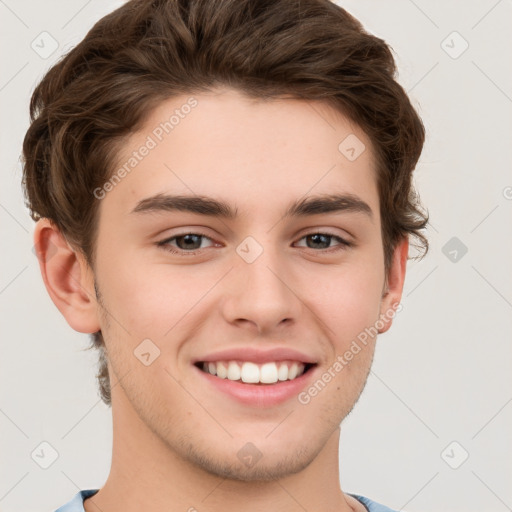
(150, 50)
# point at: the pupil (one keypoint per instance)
(189, 239)
(316, 237)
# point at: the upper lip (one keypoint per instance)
(257, 355)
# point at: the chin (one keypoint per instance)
(262, 468)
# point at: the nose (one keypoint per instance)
(261, 294)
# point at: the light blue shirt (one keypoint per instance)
(77, 503)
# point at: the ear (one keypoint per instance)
(393, 287)
(68, 278)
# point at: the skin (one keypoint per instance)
(175, 439)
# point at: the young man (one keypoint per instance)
(224, 201)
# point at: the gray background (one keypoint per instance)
(440, 389)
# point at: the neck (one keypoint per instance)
(146, 471)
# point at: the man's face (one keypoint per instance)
(267, 287)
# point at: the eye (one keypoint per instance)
(189, 243)
(314, 240)
(186, 243)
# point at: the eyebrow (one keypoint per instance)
(203, 205)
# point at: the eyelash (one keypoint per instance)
(164, 244)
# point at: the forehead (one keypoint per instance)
(254, 153)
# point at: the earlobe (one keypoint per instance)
(394, 285)
(67, 277)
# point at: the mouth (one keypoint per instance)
(248, 372)
(257, 377)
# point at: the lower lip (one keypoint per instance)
(259, 395)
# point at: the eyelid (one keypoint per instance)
(345, 235)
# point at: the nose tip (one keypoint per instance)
(261, 295)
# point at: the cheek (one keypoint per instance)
(148, 300)
(347, 300)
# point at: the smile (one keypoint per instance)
(251, 373)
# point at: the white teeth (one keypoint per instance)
(222, 370)
(233, 371)
(252, 373)
(268, 373)
(292, 372)
(282, 373)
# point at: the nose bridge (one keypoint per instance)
(263, 294)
